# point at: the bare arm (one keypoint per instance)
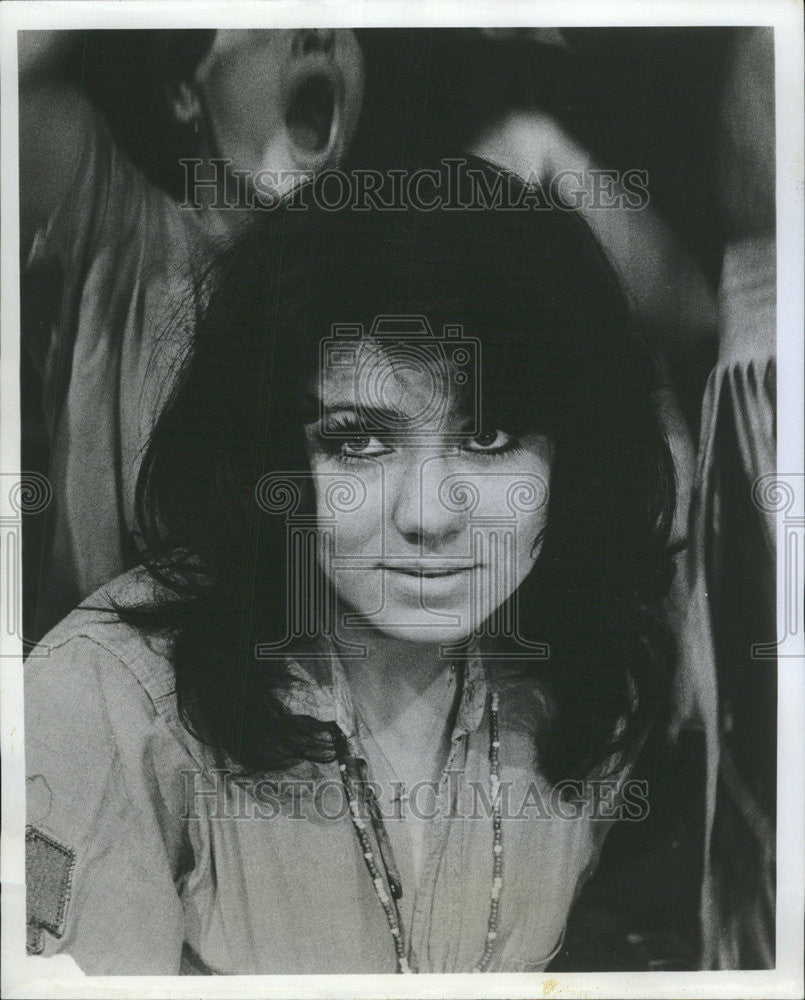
(54, 119)
(672, 300)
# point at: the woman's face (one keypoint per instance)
(281, 100)
(427, 522)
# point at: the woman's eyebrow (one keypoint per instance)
(373, 416)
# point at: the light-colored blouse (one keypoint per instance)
(144, 855)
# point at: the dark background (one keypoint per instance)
(638, 98)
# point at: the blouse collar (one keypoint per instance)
(319, 689)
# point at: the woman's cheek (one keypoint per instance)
(358, 533)
(353, 508)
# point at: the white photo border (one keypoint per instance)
(30, 977)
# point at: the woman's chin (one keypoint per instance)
(425, 633)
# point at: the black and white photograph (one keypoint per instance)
(402, 503)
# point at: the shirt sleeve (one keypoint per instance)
(105, 843)
(100, 211)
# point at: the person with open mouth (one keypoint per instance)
(111, 255)
(272, 105)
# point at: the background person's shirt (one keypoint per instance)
(114, 331)
(143, 859)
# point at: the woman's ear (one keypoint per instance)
(184, 102)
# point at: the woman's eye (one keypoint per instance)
(362, 444)
(489, 441)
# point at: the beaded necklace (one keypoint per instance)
(389, 909)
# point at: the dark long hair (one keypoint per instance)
(558, 356)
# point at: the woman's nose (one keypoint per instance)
(307, 41)
(421, 505)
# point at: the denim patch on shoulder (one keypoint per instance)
(48, 876)
(34, 940)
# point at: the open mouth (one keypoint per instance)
(310, 114)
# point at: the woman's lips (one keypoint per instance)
(427, 571)
(431, 584)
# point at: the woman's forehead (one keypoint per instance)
(415, 382)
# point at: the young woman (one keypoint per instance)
(372, 703)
